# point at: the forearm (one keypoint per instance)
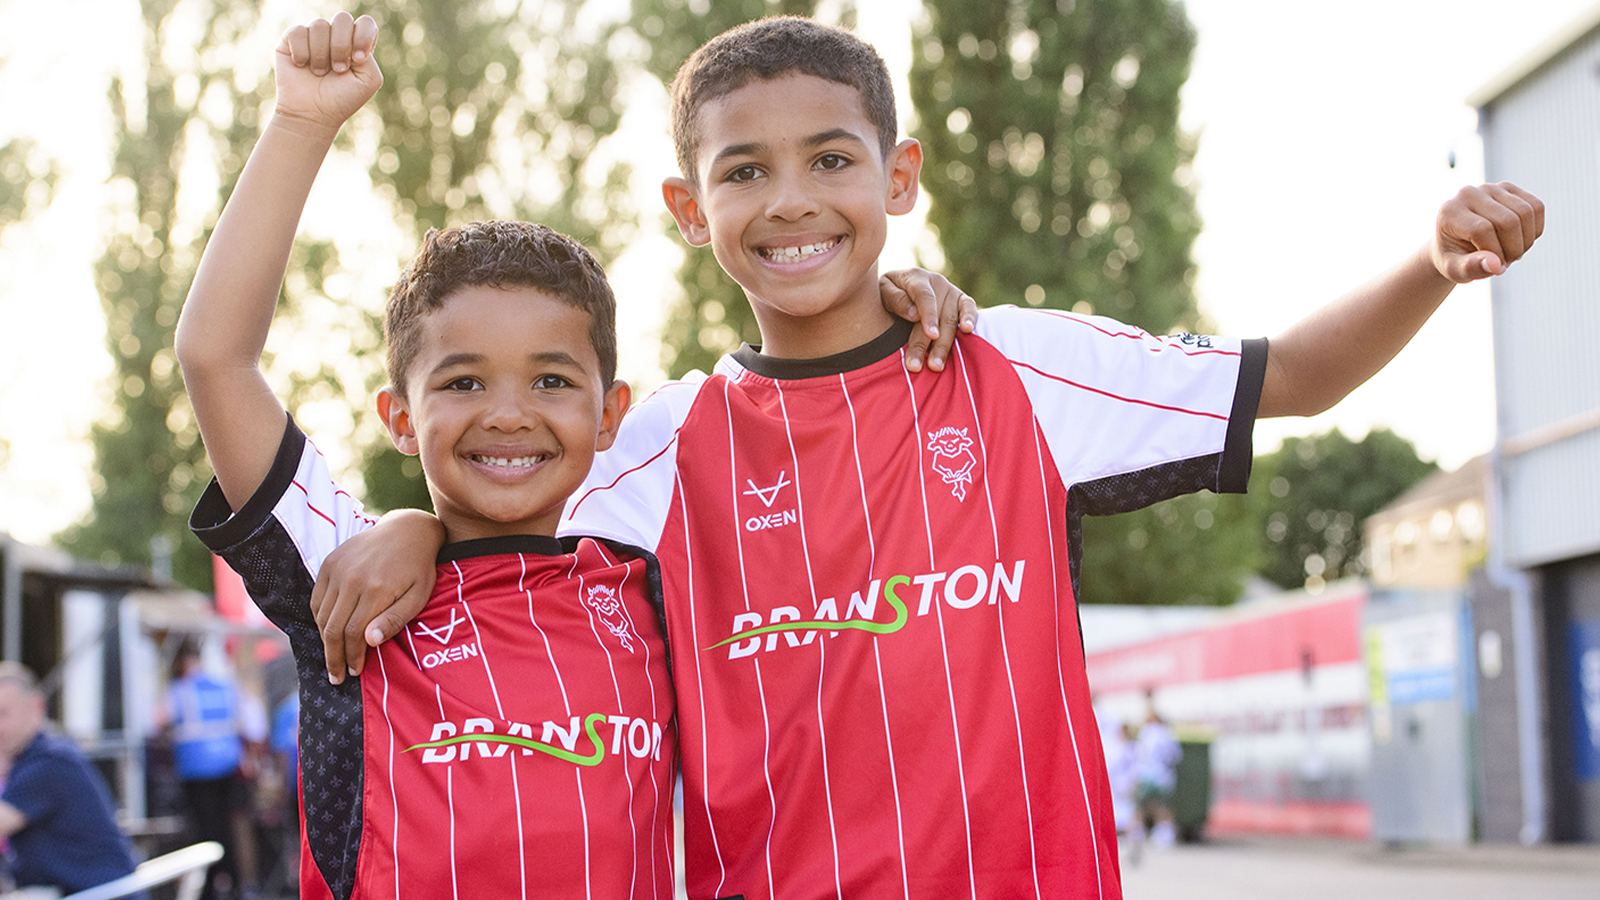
(1322, 358)
(229, 310)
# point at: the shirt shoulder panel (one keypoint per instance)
(628, 492)
(1112, 399)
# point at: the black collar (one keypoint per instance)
(541, 544)
(780, 369)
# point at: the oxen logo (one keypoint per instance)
(768, 495)
(953, 459)
(608, 608)
(444, 632)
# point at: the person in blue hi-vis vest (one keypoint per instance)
(203, 714)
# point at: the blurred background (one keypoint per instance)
(1395, 637)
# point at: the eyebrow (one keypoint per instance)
(548, 357)
(814, 140)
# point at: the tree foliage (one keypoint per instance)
(712, 317)
(493, 111)
(1316, 491)
(149, 464)
(1057, 177)
(1055, 167)
(27, 181)
(1195, 550)
(488, 109)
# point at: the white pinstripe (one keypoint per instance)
(394, 800)
(566, 703)
(761, 690)
(877, 654)
(699, 684)
(616, 689)
(1061, 675)
(811, 584)
(944, 647)
(1005, 653)
(450, 799)
(655, 714)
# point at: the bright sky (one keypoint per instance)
(1325, 131)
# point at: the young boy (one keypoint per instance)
(519, 740)
(870, 575)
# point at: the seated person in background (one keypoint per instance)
(55, 809)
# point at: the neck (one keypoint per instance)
(832, 331)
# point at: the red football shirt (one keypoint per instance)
(517, 741)
(869, 580)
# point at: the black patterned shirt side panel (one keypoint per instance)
(256, 543)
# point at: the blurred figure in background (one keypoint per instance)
(1156, 754)
(55, 809)
(203, 712)
(1122, 761)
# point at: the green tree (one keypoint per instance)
(149, 464)
(712, 316)
(490, 110)
(1057, 176)
(1315, 493)
(1055, 169)
(1195, 550)
(27, 181)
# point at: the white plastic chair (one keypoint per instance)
(187, 867)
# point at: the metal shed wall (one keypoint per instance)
(1543, 132)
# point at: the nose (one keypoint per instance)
(508, 410)
(791, 197)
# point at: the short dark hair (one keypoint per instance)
(498, 254)
(772, 48)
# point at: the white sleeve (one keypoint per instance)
(299, 494)
(1112, 399)
(628, 493)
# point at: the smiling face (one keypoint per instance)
(792, 194)
(506, 407)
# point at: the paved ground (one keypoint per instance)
(1332, 870)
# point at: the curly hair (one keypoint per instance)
(772, 48)
(498, 254)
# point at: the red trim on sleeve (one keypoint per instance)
(1084, 387)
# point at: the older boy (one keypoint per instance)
(520, 740)
(870, 575)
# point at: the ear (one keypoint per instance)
(618, 396)
(683, 201)
(392, 410)
(905, 167)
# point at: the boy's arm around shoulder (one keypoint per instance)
(1478, 233)
(324, 72)
(373, 584)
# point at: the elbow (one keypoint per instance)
(1288, 391)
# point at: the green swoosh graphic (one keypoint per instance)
(853, 624)
(592, 759)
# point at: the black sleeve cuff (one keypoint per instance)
(216, 524)
(1238, 450)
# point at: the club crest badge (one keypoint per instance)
(953, 459)
(608, 609)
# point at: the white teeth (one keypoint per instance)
(795, 254)
(521, 462)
